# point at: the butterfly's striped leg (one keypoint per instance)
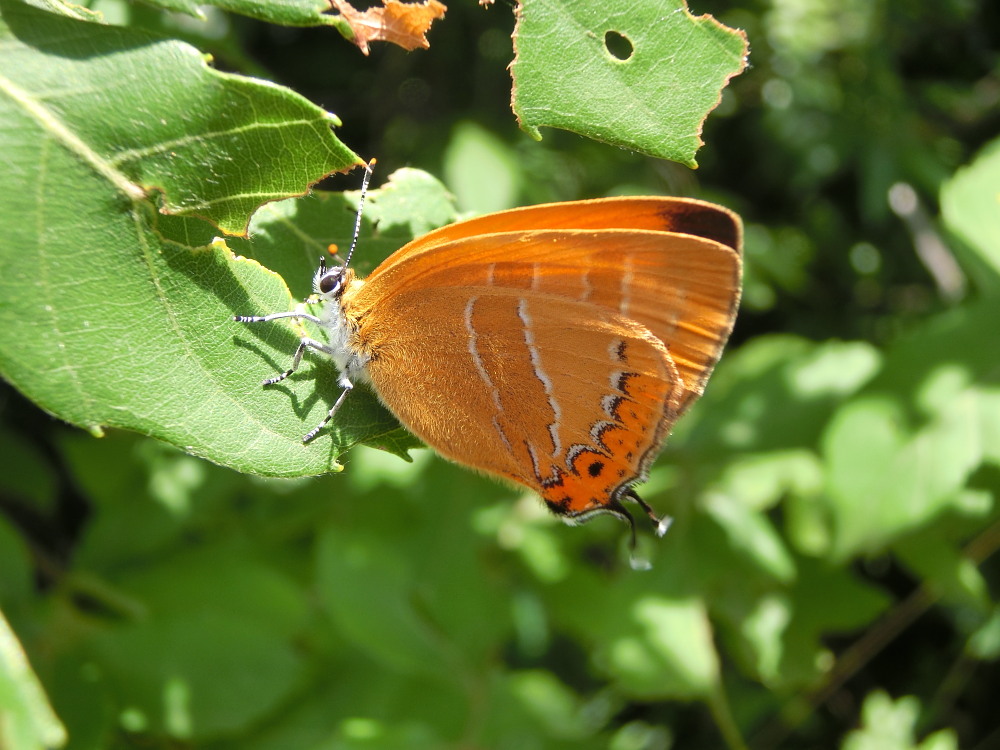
(304, 343)
(347, 386)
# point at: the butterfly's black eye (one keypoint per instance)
(329, 282)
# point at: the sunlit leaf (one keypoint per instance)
(889, 724)
(27, 721)
(642, 76)
(104, 321)
(970, 203)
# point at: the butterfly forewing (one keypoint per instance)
(683, 289)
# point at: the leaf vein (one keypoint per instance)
(135, 154)
(72, 142)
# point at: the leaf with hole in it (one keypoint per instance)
(111, 314)
(642, 76)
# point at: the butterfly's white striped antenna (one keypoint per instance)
(361, 206)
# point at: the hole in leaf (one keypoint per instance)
(618, 45)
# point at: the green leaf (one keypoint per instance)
(27, 721)
(25, 474)
(654, 639)
(945, 568)
(751, 534)
(198, 674)
(885, 478)
(761, 480)
(892, 725)
(409, 204)
(764, 629)
(213, 144)
(902, 454)
(390, 627)
(776, 392)
(429, 617)
(103, 319)
(481, 169)
(575, 70)
(672, 654)
(824, 599)
(286, 13)
(984, 643)
(552, 704)
(970, 204)
(231, 579)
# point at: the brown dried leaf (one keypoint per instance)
(405, 24)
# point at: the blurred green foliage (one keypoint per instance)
(830, 579)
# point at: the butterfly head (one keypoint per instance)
(330, 283)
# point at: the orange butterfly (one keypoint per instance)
(553, 345)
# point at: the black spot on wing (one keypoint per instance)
(702, 220)
(622, 382)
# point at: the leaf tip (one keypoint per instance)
(532, 130)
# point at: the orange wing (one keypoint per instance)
(675, 215)
(684, 289)
(566, 339)
(566, 398)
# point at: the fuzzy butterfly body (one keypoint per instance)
(553, 345)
